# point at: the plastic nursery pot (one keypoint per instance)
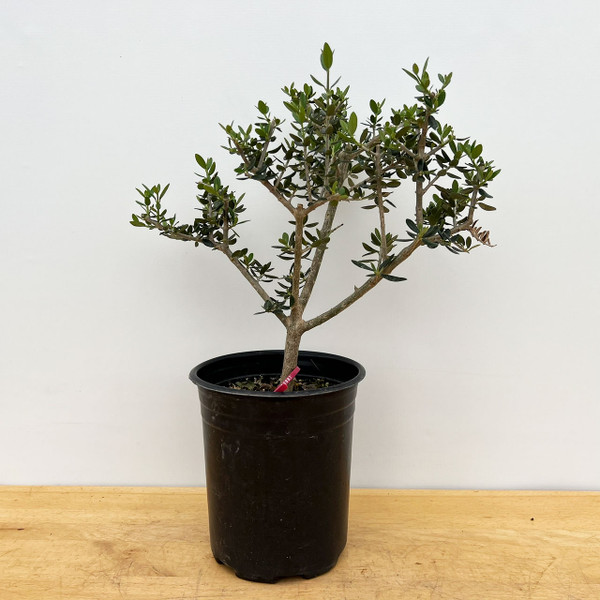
(277, 464)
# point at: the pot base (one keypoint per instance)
(311, 574)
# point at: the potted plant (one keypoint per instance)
(278, 464)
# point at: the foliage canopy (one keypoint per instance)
(326, 157)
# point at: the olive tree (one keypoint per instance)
(323, 156)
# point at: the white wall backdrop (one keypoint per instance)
(482, 368)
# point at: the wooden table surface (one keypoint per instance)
(152, 544)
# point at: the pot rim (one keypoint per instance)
(203, 383)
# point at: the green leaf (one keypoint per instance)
(362, 265)
(412, 225)
(411, 74)
(352, 123)
(392, 277)
(262, 107)
(432, 122)
(326, 57)
(200, 161)
(136, 222)
(164, 191)
(373, 106)
(476, 151)
(486, 206)
(317, 81)
(291, 107)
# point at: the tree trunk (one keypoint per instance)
(290, 355)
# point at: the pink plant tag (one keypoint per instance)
(284, 384)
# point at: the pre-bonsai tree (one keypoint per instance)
(325, 157)
(278, 465)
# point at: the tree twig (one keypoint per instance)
(266, 183)
(317, 260)
(420, 158)
(383, 250)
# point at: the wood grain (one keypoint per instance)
(152, 544)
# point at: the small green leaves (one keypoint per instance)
(327, 156)
(377, 270)
(271, 306)
(326, 57)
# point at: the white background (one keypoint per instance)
(482, 368)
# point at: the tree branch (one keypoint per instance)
(283, 170)
(473, 204)
(318, 203)
(306, 169)
(469, 225)
(432, 182)
(363, 289)
(376, 140)
(317, 260)
(266, 183)
(296, 310)
(176, 235)
(368, 180)
(383, 249)
(251, 280)
(226, 222)
(263, 154)
(421, 158)
(438, 147)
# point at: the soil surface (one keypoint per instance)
(268, 384)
